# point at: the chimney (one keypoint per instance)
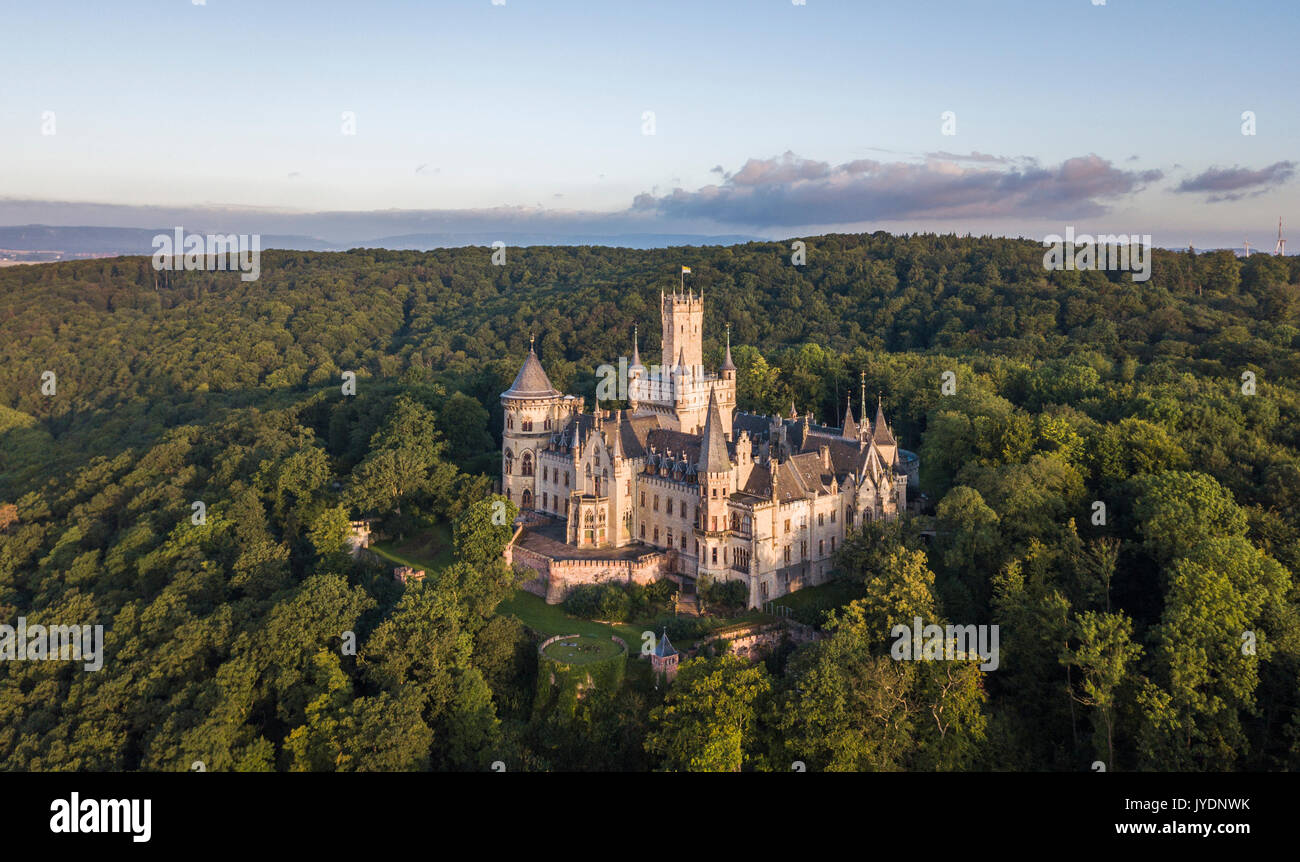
(826, 456)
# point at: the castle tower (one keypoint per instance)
(534, 409)
(714, 472)
(683, 323)
(663, 661)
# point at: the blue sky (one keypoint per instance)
(1082, 114)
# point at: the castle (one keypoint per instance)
(680, 484)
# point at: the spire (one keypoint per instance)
(713, 443)
(727, 364)
(636, 349)
(881, 431)
(616, 439)
(681, 360)
(850, 431)
(794, 414)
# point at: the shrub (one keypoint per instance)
(598, 602)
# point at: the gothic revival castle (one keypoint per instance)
(681, 485)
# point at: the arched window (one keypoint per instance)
(527, 464)
(527, 423)
(527, 499)
(510, 422)
(510, 462)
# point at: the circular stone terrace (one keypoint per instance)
(581, 649)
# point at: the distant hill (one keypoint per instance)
(81, 241)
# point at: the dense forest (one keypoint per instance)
(1162, 635)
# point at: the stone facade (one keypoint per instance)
(680, 484)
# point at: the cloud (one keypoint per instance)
(973, 156)
(788, 190)
(1230, 184)
(773, 196)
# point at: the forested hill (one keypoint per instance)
(1070, 388)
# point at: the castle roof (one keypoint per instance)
(664, 649)
(881, 432)
(850, 427)
(713, 445)
(531, 382)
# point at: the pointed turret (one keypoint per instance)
(531, 382)
(880, 431)
(850, 431)
(713, 444)
(727, 364)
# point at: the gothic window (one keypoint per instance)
(735, 522)
(787, 525)
(747, 524)
(545, 474)
(527, 423)
(787, 555)
(527, 464)
(643, 529)
(510, 462)
(821, 519)
(669, 541)
(670, 505)
(715, 556)
(566, 480)
(643, 499)
(527, 500)
(510, 422)
(656, 502)
(821, 547)
(714, 524)
(683, 541)
(833, 511)
(546, 502)
(656, 535)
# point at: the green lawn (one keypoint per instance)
(430, 550)
(582, 650)
(548, 620)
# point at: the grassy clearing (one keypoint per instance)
(582, 650)
(431, 550)
(548, 620)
